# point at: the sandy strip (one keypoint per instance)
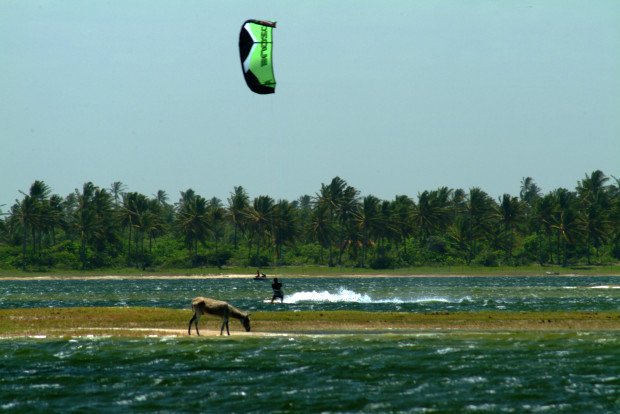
(126, 277)
(251, 277)
(163, 333)
(183, 332)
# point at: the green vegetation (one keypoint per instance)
(145, 321)
(445, 230)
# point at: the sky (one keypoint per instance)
(394, 97)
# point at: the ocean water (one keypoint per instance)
(420, 294)
(428, 372)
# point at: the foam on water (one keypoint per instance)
(345, 295)
(342, 295)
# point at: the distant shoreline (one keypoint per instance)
(613, 271)
(232, 276)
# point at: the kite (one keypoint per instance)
(255, 48)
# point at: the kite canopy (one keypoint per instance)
(255, 48)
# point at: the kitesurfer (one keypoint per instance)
(277, 290)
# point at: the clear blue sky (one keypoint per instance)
(395, 97)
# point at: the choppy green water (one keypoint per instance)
(402, 294)
(425, 372)
(555, 372)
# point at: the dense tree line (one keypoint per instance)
(96, 227)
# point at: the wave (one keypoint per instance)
(346, 295)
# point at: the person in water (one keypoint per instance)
(277, 290)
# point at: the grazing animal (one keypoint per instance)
(201, 305)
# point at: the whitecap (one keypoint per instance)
(346, 295)
(474, 380)
(444, 351)
(8, 406)
(490, 407)
(342, 295)
(45, 386)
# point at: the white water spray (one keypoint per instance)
(345, 295)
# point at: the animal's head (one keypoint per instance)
(246, 322)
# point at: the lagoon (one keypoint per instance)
(414, 373)
(400, 294)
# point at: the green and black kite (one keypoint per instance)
(255, 48)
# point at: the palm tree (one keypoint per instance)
(529, 195)
(303, 207)
(140, 219)
(322, 229)
(442, 198)
(389, 226)
(192, 220)
(165, 211)
(39, 193)
(542, 217)
(284, 227)
(155, 224)
(594, 208)
(128, 218)
(563, 221)
(216, 214)
(479, 207)
(403, 208)
(368, 222)
(330, 197)
(55, 215)
(509, 213)
(116, 189)
(347, 208)
(85, 218)
(161, 197)
(529, 192)
(104, 238)
(431, 213)
(340, 200)
(238, 203)
(24, 213)
(458, 236)
(258, 218)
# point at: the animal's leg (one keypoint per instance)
(189, 330)
(227, 331)
(224, 323)
(196, 321)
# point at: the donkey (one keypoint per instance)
(201, 305)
